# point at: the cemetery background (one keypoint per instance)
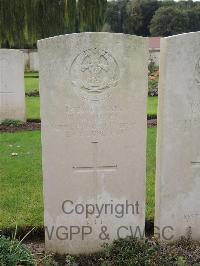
(31, 150)
(22, 200)
(22, 182)
(32, 20)
(21, 166)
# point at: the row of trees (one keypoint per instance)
(152, 17)
(173, 20)
(23, 22)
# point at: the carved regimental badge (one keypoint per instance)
(93, 73)
(197, 72)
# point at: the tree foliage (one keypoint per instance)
(71, 16)
(12, 22)
(168, 21)
(49, 17)
(23, 22)
(91, 14)
(133, 19)
(131, 16)
(194, 18)
(148, 9)
(115, 15)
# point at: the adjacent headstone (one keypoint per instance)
(178, 146)
(34, 61)
(93, 104)
(12, 94)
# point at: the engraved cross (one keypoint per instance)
(94, 168)
(196, 162)
(9, 92)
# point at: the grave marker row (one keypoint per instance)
(12, 94)
(93, 107)
(94, 91)
(93, 95)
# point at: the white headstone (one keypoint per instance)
(34, 61)
(178, 146)
(93, 102)
(12, 94)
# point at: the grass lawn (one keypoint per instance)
(32, 107)
(152, 104)
(31, 81)
(21, 179)
(151, 169)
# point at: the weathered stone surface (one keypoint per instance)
(34, 61)
(178, 145)
(12, 94)
(93, 89)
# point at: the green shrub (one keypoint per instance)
(133, 251)
(12, 253)
(169, 21)
(152, 67)
(11, 123)
(153, 79)
(153, 87)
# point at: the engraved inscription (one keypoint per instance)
(93, 124)
(196, 161)
(195, 107)
(6, 92)
(197, 72)
(93, 72)
(108, 126)
(195, 133)
(4, 69)
(191, 217)
(193, 122)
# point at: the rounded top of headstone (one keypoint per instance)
(186, 34)
(93, 59)
(5, 50)
(90, 34)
